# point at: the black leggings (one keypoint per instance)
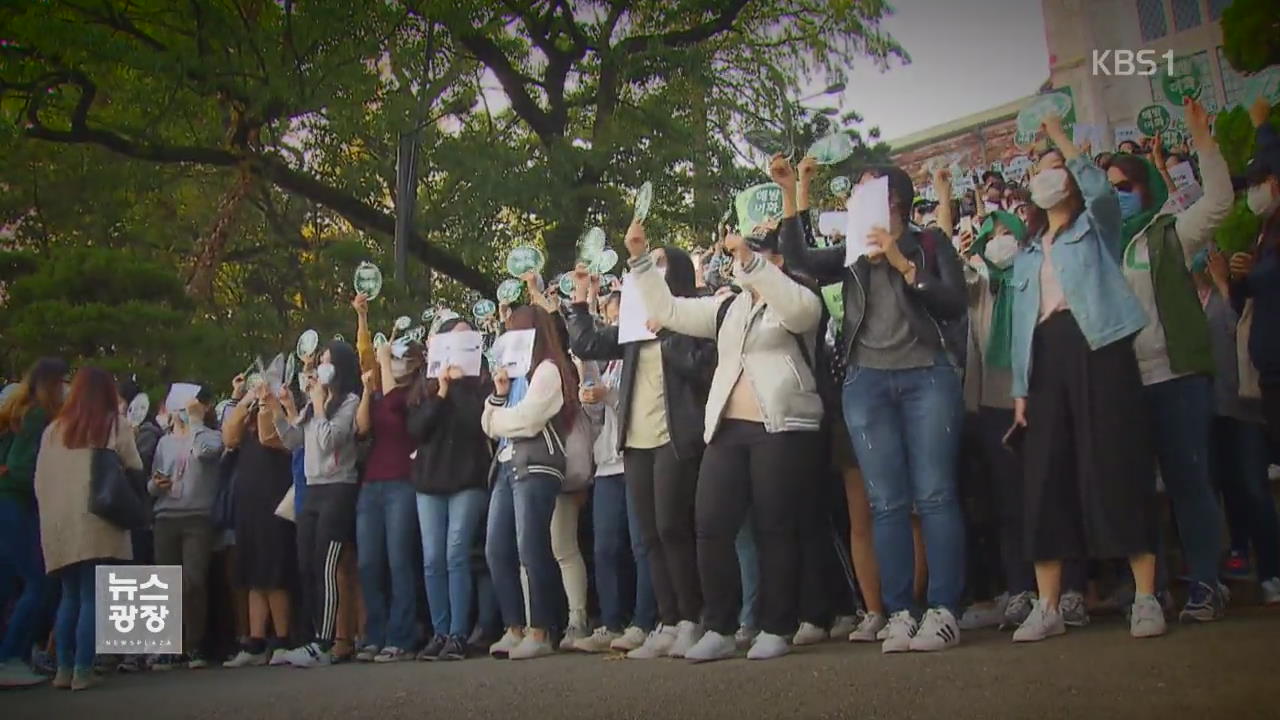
(662, 488)
(747, 468)
(326, 528)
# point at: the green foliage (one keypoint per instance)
(1251, 34)
(1239, 230)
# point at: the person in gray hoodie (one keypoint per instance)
(326, 430)
(184, 482)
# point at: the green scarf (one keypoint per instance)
(1131, 225)
(998, 353)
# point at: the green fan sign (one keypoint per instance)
(1153, 119)
(758, 204)
(1187, 81)
(1059, 102)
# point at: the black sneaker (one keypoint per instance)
(433, 649)
(455, 648)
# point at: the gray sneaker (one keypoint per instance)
(1074, 612)
(1018, 611)
(1147, 617)
(1040, 624)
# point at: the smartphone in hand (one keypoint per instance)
(1014, 439)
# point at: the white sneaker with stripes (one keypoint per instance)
(938, 631)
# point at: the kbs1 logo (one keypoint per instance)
(1127, 63)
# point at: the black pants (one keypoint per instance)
(1271, 415)
(663, 487)
(1004, 497)
(1087, 465)
(326, 528)
(826, 590)
(747, 468)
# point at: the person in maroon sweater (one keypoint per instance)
(387, 510)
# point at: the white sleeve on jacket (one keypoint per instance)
(695, 317)
(797, 308)
(540, 404)
(1197, 224)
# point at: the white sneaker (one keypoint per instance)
(687, 635)
(391, 654)
(1040, 624)
(843, 626)
(656, 645)
(508, 642)
(869, 628)
(1146, 619)
(987, 615)
(279, 657)
(16, 673)
(367, 653)
(712, 646)
(599, 641)
(308, 656)
(631, 638)
(744, 637)
(1271, 591)
(897, 636)
(939, 631)
(244, 658)
(529, 649)
(1074, 612)
(572, 635)
(768, 646)
(808, 634)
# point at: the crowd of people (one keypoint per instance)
(987, 419)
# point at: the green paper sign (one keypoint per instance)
(1188, 81)
(1265, 83)
(758, 204)
(1154, 119)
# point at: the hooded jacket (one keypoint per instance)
(687, 363)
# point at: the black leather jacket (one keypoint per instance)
(687, 366)
(937, 303)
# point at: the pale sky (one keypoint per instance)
(966, 56)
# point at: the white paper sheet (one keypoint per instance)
(1127, 133)
(1183, 175)
(833, 223)
(179, 395)
(632, 314)
(459, 349)
(868, 208)
(513, 352)
(1089, 133)
(273, 374)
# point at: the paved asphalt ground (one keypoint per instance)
(1226, 670)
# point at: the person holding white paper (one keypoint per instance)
(660, 411)
(762, 419)
(450, 474)
(529, 416)
(904, 302)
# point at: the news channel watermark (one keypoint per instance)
(139, 609)
(1131, 63)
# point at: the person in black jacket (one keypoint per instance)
(450, 473)
(662, 402)
(902, 400)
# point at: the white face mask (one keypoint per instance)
(1261, 202)
(1049, 187)
(1001, 250)
(325, 373)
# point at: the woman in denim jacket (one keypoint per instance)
(1090, 483)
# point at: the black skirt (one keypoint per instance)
(267, 555)
(1088, 468)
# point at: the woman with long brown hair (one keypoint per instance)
(23, 418)
(530, 416)
(74, 539)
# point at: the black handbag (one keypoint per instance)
(116, 494)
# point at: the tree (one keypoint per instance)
(593, 97)
(1251, 34)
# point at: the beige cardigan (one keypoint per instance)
(69, 533)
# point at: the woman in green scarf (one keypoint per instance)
(1174, 350)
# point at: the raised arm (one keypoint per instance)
(364, 340)
(797, 308)
(942, 188)
(541, 403)
(339, 430)
(1197, 224)
(590, 339)
(1100, 199)
(826, 265)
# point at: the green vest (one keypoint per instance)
(1186, 329)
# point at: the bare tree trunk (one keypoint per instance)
(210, 251)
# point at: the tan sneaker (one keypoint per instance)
(85, 679)
(62, 680)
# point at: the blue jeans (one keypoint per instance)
(20, 552)
(617, 542)
(73, 631)
(749, 567)
(519, 534)
(386, 518)
(1181, 411)
(905, 428)
(448, 524)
